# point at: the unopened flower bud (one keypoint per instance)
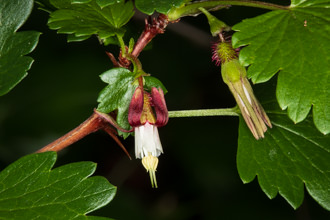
(216, 26)
(234, 75)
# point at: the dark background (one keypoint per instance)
(197, 175)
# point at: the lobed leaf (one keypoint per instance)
(293, 42)
(118, 94)
(14, 46)
(82, 19)
(29, 189)
(289, 156)
(149, 6)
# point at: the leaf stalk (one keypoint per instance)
(214, 5)
(204, 112)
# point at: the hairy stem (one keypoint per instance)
(204, 112)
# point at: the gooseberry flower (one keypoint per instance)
(147, 112)
(234, 75)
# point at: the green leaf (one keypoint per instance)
(101, 3)
(150, 82)
(85, 18)
(45, 5)
(118, 94)
(149, 6)
(296, 43)
(104, 3)
(289, 156)
(13, 64)
(29, 189)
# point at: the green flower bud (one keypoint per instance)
(232, 71)
(234, 75)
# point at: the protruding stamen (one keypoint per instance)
(150, 163)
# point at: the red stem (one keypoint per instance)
(91, 125)
(94, 123)
(152, 28)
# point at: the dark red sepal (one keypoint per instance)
(135, 108)
(159, 105)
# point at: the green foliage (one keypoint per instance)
(104, 3)
(45, 5)
(101, 3)
(13, 64)
(287, 158)
(85, 18)
(150, 82)
(118, 94)
(296, 43)
(29, 189)
(149, 6)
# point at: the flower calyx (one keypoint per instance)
(146, 107)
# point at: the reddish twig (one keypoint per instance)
(94, 123)
(113, 59)
(112, 132)
(153, 26)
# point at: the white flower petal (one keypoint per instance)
(247, 94)
(159, 148)
(138, 142)
(147, 141)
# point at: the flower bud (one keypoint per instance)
(234, 75)
(216, 26)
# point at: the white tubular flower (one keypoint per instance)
(141, 116)
(147, 141)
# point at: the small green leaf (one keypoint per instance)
(289, 156)
(13, 64)
(118, 94)
(296, 43)
(85, 18)
(29, 189)
(149, 6)
(150, 82)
